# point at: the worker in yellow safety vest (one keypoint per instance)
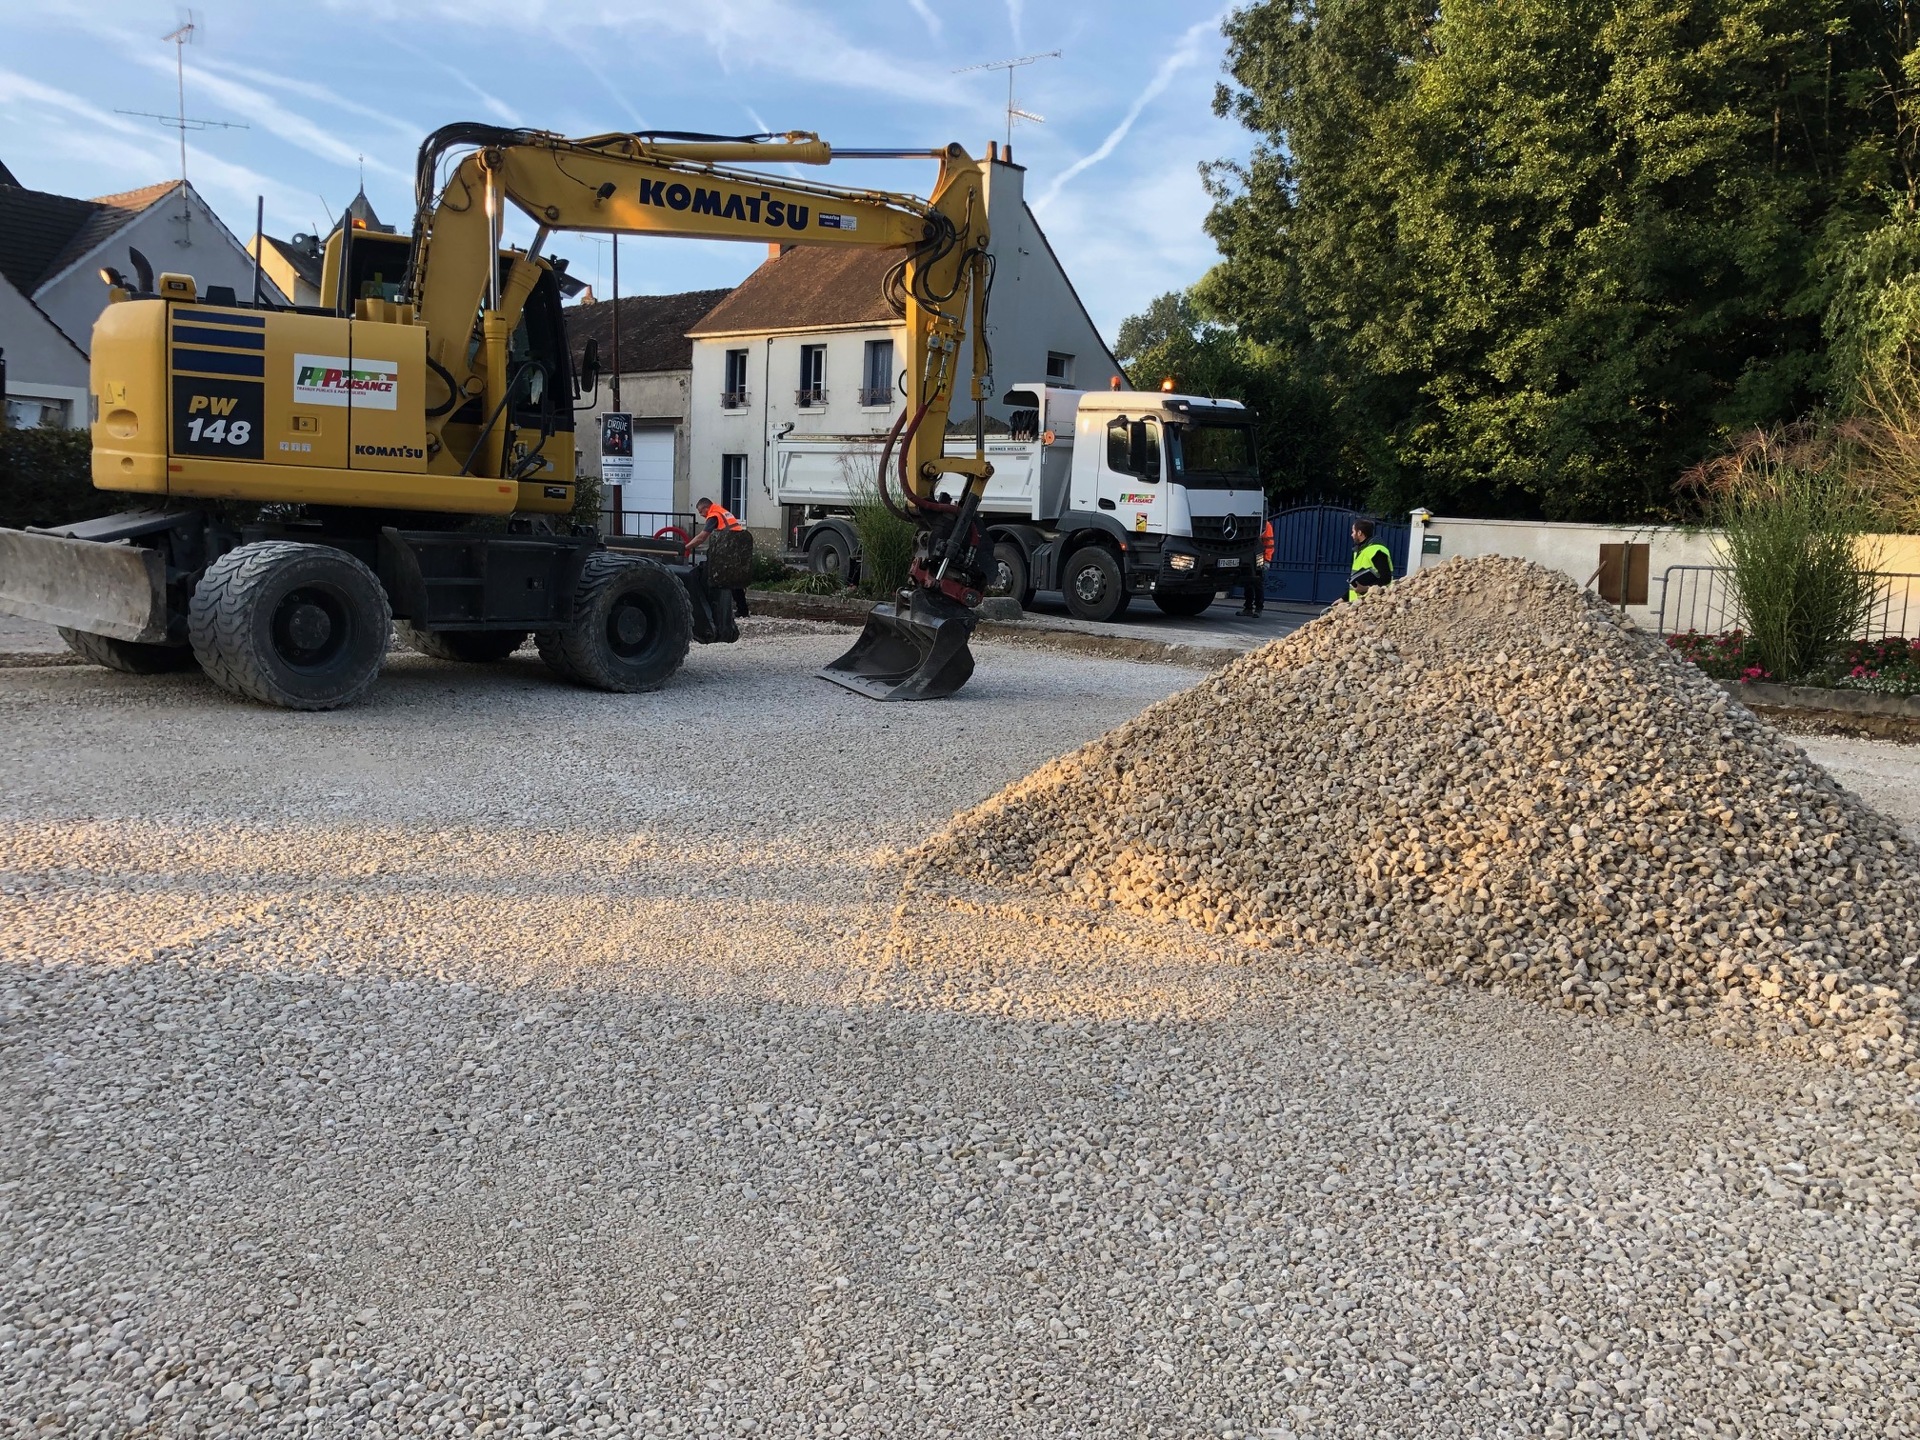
(717, 518)
(1372, 564)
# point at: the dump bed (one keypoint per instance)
(833, 471)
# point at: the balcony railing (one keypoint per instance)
(733, 399)
(809, 399)
(876, 394)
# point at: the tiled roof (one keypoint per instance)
(653, 329)
(805, 289)
(306, 263)
(42, 234)
(137, 200)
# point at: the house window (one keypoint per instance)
(733, 486)
(877, 387)
(1059, 368)
(733, 388)
(813, 377)
(26, 413)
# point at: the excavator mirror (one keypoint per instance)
(588, 380)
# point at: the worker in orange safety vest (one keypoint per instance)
(717, 518)
(1256, 588)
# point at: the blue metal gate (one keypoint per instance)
(1313, 553)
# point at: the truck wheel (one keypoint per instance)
(129, 657)
(1009, 575)
(829, 554)
(475, 647)
(631, 627)
(1187, 603)
(304, 627)
(1093, 585)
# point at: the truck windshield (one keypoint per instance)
(1212, 457)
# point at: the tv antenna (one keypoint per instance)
(1014, 112)
(181, 37)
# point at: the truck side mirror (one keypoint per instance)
(1137, 448)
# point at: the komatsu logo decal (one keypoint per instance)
(392, 452)
(335, 380)
(750, 209)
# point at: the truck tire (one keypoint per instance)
(1183, 603)
(1094, 587)
(1009, 574)
(829, 554)
(303, 627)
(631, 627)
(474, 647)
(129, 657)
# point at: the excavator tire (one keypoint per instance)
(129, 657)
(303, 627)
(474, 647)
(631, 626)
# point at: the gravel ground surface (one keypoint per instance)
(503, 1059)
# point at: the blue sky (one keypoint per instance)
(1111, 173)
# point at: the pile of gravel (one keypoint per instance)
(1486, 775)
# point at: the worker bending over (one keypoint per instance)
(718, 518)
(1372, 565)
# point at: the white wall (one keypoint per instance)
(42, 364)
(1674, 555)
(773, 377)
(655, 398)
(76, 296)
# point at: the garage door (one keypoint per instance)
(652, 488)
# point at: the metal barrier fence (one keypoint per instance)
(647, 522)
(1702, 598)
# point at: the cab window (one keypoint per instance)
(1122, 456)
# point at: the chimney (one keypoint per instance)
(775, 249)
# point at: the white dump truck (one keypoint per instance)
(1099, 494)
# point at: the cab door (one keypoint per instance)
(1131, 485)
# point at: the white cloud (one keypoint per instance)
(143, 155)
(1016, 13)
(925, 12)
(1183, 54)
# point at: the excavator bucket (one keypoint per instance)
(913, 652)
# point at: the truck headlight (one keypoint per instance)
(1180, 562)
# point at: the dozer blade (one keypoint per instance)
(919, 655)
(114, 590)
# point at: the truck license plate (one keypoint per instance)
(1228, 564)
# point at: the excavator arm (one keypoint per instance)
(686, 187)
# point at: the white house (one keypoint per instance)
(52, 248)
(654, 364)
(808, 341)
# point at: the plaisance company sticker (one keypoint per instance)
(335, 380)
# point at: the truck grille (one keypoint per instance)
(1226, 534)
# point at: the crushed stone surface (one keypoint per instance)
(500, 1059)
(1484, 775)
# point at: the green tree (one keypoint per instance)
(1176, 339)
(1543, 255)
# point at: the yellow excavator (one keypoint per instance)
(403, 452)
